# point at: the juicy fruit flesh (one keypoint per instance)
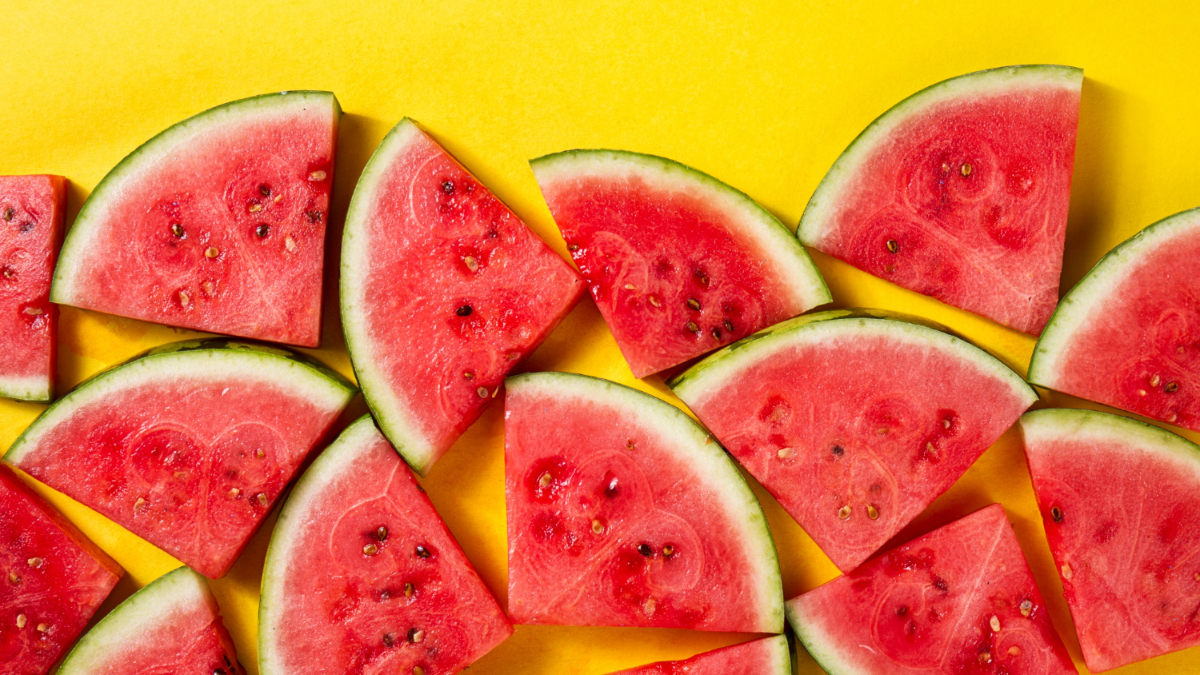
(757, 657)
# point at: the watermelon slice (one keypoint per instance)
(958, 601)
(173, 625)
(216, 224)
(31, 224)
(854, 421)
(960, 192)
(54, 579)
(678, 262)
(1128, 334)
(765, 656)
(443, 291)
(362, 575)
(622, 511)
(1119, 504)
(188, 446)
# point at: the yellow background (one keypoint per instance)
(762, 95)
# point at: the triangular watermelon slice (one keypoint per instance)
(216, 224)
(622, 511)
(362, 575)
(678, 262)
(1120, 501)
(765, 656)
(960, 192)
(853, 420)
(1128, 334)
(443, 291)
(189, 445)
(960, 600)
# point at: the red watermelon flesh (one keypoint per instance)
(766, 656)
(443, 291)
(1119, 504)
(217, 224)
(960, 600)
(362, 575)
(961, 192)
(31, 223)
(54, 579)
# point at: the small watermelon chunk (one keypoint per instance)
(31, 225)
(362, 575)
(622, 511)
(54, 579)
(216, 224)
(765, 656)
(189, 445)
(678, 262)
(1120, 501)
(173, 625)
(961, 192)
(854, 421)
(1128, 334)
(443, 291)
(960, 600)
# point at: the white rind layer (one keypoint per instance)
(32, 388)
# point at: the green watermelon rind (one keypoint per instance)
(35, 388)
(781, 656)
(1077, 424)
(818, 644)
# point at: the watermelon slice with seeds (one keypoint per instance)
(765, 656)
(189, 445)
(362, 575)
(960, 192)
(854, 420)
(622, 511)
(1119, 504)
(216, 224)
(443, 291)
(678, 262)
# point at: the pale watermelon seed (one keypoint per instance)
(702, 278)
(1014, 651)
(370, 549)
(693, 304)
(177, 230)
(1141, 392)
(262, 230)
(8, 273)
(21, 620)
(290, 244)
(654, 300)
(415, 635)
(259, 453)
(35, 562)
(317, 176)
(611, 489)
(872, 512)
(234, 493)
(254, 207)
(630, 287)
(1026, 607)
(1154, 380)
(468, 375)
(181, 475)
(994, 622)
(985, 657)
(946, 424)
(597, 527)
(13, 577)
(1067, 573)
(409, 589)
(545, 479)
(422, 552)
(184, 299)
(418, 670)
(966, 170)
(32, 311)
(43, 628)
(844, 512)
(784, 453)
(212, 252)
(1172, 417)
(262, 498)
(471, 263)
(482, 391)
(668, 551)
(893, 246)
(649, 606)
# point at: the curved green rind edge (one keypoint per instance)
(815, 643)
(1094, 289)
(19, 388)
(756, 528)
(812, 225)
(781, 658)
(1049, 423)
(148, 151)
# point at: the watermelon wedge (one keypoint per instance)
(960, 192)
(54, 579)
(362, 575)
(31, 225)
(957, 601)
(443, 291)
(622, 511)
(853, 419)
(1128, 334)
(173, 625)
(765, 656)
(216, 224)
(678, 262)
(189, 445)
(1119, 504)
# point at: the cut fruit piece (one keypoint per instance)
(31, 225)
(960, 192)
(362, 575)
(766, 656)
(957, 601)
(443, 291)
(216, 224)
(54, 579)
(173, 625)
(189, 445)
(854, 421)
(622, 511)
(1128, 334)
(1119, 504)
(678, 262)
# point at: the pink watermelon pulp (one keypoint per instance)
(855, 423)
(362, 575)
(188, 446)
(959, 600)
(623, 512)
(765, 656)
(678, 262)
(1119, 504)
(217, 224)
(960, 192)
(443, 291)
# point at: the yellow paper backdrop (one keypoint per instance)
(762, 95)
